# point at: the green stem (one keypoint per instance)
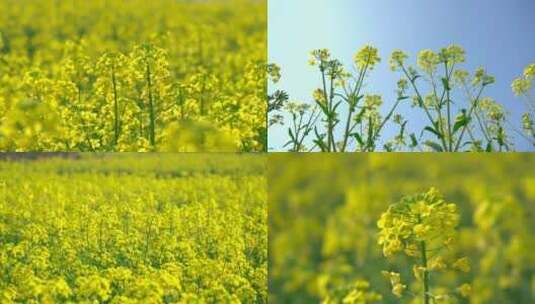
(470, 111)
(413, 84)
(390, 113)
(448, 108)
(425, 280)
(328, 101)
(331, 99)
(355, 94)
(115, 106)
(152, 116)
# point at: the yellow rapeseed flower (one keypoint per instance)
(319, 96)
(465, 290)
(428, 60)
(529, 71)
(521, 86)
(368, 57)
(397, 59)
(462, 264)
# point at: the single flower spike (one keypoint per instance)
(319, 56)
(482, 78)
(367, 57)
(422, 217)
(452, 54)
(460, 76)
(529, 71)
(274, 72)
(373, 101)
(428, 60)
(527, 123)
(465, 290)
(521, 86)
(422, 226)
(395, 281)
(397, 59)
(462, 264)
(319, 96)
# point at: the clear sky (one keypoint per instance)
(496, 34)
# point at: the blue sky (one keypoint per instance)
(498, 35)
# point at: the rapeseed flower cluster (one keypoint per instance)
(367, 57)
(452, 54)
(134, 229)
(397, 60)
(316, 247)
(422, 226)
(424, 217)
(121, 76)
(359, 292)
(523, 87)
(428, 60)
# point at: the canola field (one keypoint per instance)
(152, 228)
(163, 75)
(401, 228)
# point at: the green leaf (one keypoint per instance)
(323, 108)
(414, 141)
(358, 138)
(358, 117)
(500, 137)
(433, 145)
(420, 102)
(291, 134)
(402, 129)
(446, 84)
(461, 121)
(336, 106)
(319, 140)
(432, 130)
(356, 100)
(287, 144)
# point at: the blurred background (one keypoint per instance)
(323, 212)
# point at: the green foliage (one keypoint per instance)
(324, 236)
(155, 228)
(121, 75)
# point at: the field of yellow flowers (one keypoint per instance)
(152, 228)
(401, 228)
(136, 75)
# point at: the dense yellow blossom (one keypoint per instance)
(367, 57)
(395, 280)
(425, 217)
(397, 59)
(319, 96)
(428, 60)
(529, 71)
(452, 54)
(319, 56)
(152, 228)
(121, 75)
